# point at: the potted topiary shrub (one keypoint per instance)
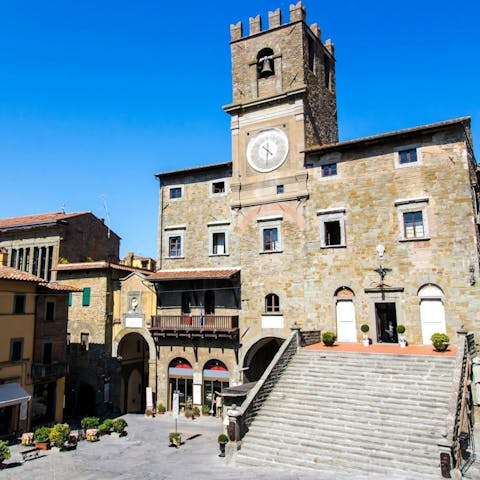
(189, 413)
(59, 434)
(4, 451)
(196, 412)
(175, 439)
(205, 410)
(161, 408)
(402, 341)
(440, 341)
(222, 442)
(365, 329)
(41, 438)
(119, 426)
(328, 338)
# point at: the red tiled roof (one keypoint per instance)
(63, 267)
(37, 219)
(193, 273)
(60, 287)
(9, 273)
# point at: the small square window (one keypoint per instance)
(84, 342)
(329, 170)
(218, 187)
(19, 304)
(218, 243)
(407, 156)
(175, 246)
(413, 225)
(333, 233)
(280, 189)
(270, 240)
(332, 228)
(175, 192)
(16, 349)
(413, 219)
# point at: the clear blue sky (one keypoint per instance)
(98, 96)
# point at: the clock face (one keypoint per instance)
(267, 150)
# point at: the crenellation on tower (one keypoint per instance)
(298, 13)
(315, 29)
(255, 25)
(275, 18)
(236, 31)
(330, 46)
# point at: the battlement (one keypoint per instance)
(298, 13)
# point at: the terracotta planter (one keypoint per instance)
(42, 445)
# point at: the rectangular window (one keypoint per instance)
(35, 261)
(332, 227)
(329, 170)
(47, 353)
(407, 156)
(218, 187)
(27, 259)
(19, 304)
(16, 349)
(413, 225)
(218, 243)
(175, 192)
(50, 311)
(270, 240)
(13, 258)
(86, 297)
(333, 233)
(84, 342)
(175, 246)
(280, 189)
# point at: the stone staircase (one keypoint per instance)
(354, 413)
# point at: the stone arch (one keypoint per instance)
(432, 311)
(259, 355)
(344, 292)
(146, 336)
(345, 314)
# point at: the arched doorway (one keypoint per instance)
(346, 326)
(86, 400)
(180, 378)
(432, 312)
(259, 357)
(215, 378)
(133, 354)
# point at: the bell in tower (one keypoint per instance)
(265, 65)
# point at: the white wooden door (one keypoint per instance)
(432, 315)
(346, 328)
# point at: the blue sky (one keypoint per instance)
(97, 97)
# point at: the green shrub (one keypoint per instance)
(104, 429)
(119, 425)
(205, 409)
(196, 411)
(365, 328)
(401, 329)
(440, 341)
(108, 422)
(42, 435)
(328, 338)
(90, 422)
(4, 451)
(59, 434)
(161, 408)
(222, 438)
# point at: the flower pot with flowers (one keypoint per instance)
(41, 438)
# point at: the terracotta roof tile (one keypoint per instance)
(63, 267)
(9, 273)
(191, 273)
(37, 219)
(60, 287)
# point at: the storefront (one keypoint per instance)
(180, 378)
(13, 408)
(216, 378)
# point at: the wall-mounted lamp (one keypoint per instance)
(380, 250)
(471, 269)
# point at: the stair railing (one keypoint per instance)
(240, 418)
(457, 450)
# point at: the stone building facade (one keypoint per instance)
(36, 243)
(301, 230)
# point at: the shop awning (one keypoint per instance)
(12, 394)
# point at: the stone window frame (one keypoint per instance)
(409, 205)
(211, 193)
(267, 223)
(271, 304)
(329, 159)
(175, 231)
(413, 146)
(332, 215)
(218, 227)
(174, 187)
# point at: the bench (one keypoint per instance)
(30, 454)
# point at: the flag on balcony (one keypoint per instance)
(201, 315)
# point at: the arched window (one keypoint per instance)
(265, 64)
(272, 303)
(432, 311)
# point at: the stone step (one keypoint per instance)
(369, 356)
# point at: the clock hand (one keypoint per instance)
(268, 152)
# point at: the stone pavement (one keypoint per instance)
(145, 454)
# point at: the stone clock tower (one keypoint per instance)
(283, 102)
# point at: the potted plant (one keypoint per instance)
(222, 441)
(440, 341)
(4, 451)
(59, 434)
(41, 438)
(365, 329)
(196, 412)
(206, 410)
(328, 338)
(90, 422)
(148, 412)
(106, 427)
(189, 413)
(27, 438)
(161, 409)
(119, 425)
(175, 439)
(401, 336)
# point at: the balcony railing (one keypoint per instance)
(194, 323)
(46, 370)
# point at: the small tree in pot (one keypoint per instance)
(401, 336)
(440, 341)
(328, 338)
(365, 329)
(222, 441)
